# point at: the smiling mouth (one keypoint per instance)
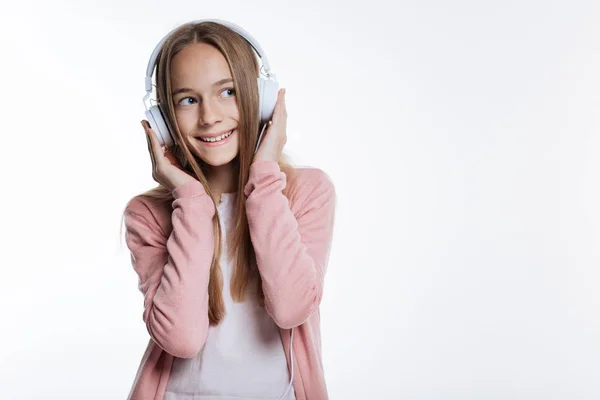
(217, 138)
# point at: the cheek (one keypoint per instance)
(186, 121)
(232, 110)
(235, 144)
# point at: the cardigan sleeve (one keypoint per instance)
(292, 248)
(174, 271)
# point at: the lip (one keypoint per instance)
(213, 135)
(219, 143)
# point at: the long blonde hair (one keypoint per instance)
(244, 68)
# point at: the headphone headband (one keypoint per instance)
(232, 26)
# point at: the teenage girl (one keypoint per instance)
(232, 246)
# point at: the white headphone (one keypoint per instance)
(267, 87)
(267, 94)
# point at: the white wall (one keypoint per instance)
(463, 141)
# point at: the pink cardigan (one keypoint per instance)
(172, 251)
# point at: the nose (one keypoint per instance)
(210, 113)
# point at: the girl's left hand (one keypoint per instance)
(274, 137)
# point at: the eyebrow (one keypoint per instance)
(218, 83)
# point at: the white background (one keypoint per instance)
(462, 138)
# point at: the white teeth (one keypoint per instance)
(218, 138)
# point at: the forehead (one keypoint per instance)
(198, 64)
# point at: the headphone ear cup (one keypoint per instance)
(267, 95)
(157, 123)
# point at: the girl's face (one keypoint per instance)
(204, 103)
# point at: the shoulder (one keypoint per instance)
(154, 212)
(311, 178)
(311, 186)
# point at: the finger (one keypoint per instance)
(149, 134)
(148, 143)
(284, 107)
(158, 149)
(279, 106)
(149, 148)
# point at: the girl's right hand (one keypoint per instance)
(166, 169)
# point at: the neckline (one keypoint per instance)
(226, 197)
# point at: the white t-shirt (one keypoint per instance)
(243, 357)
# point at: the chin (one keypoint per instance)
(217, 162)
(217, 159)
